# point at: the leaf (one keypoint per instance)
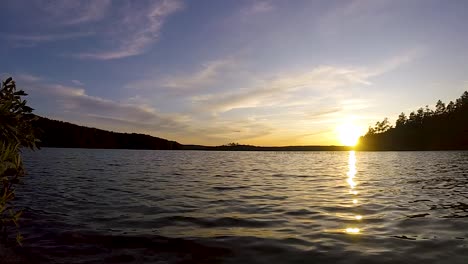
(20, 93)
(19, 239)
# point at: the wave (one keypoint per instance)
(219, 222)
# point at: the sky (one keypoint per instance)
(211, 72)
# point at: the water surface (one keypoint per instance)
(116, 206)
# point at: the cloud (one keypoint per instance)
(307, 100)
(289, 87)
(221, 131)
(133, 115)
(398, 61)
(72, 12)
(352, 11)
(135, 30)
(314, 133)
(27, 77)
(258, 7)
(119, 28)
(34, 39)
(324, 112)
(77, 82)
(167, 126)
(264, 102)
(208, 74)
(76, 101)
(279, 89)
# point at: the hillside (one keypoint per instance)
(53, 133)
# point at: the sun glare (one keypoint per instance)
(352, 230)
(349, 134)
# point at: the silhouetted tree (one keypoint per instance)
(425, 129)
(401, 121)
(419, 115)
(450, 107)
(16, 132)
(440, 108)
(381, 127)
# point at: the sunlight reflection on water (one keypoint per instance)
(352, 171)
(352, 230)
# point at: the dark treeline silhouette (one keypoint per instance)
(239, 147)
(53, 133)
(444, 128)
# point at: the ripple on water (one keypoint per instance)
(117, 206)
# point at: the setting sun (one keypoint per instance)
(348, 134)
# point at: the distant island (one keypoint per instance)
(240, 147)
(445, 128)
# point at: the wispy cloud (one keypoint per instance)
(356, 7)
(257, 7)
(136, 30)
(327, 111)
(27, 77)
(72, 12)
(119, 28)
(206, 75)
(225, 131)
(210, 74)
(291, 86)
(77, 82)
(48, 37)
(349, 13)
(75, 100)
(35, 39)
(398, 61)
(279, 89)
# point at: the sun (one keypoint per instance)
(348, 134)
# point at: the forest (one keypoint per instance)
(53, 133)
(442, 128)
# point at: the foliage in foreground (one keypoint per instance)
(16, 131)
(444, 128)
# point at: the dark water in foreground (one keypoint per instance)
(124, 206)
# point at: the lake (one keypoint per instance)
(133, 206)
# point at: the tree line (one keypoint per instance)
(442, 128)
(241, 147)
(53, 133)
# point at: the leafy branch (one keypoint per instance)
(16, 132)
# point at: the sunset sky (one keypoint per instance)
(254, 72)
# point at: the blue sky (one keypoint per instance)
(255, 72)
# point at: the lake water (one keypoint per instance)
(129, 206)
